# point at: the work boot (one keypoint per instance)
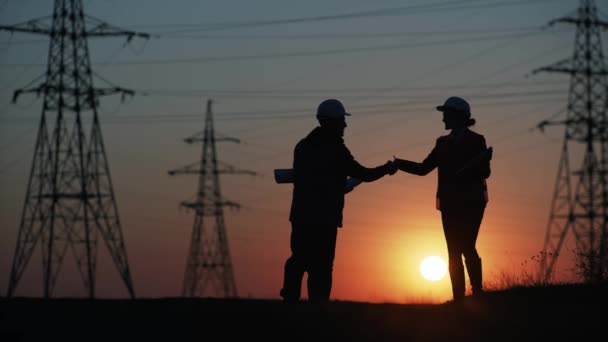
(288, 298)
(475, 275)
(292, 281)
(457, 278)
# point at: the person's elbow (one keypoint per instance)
(371, 176)
(418, 171)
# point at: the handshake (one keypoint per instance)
(391, 167)
(282, 176)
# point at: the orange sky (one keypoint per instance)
(391, 77)
(389, 226)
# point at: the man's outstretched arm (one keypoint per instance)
(365, 174)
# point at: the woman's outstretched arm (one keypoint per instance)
(420, 169)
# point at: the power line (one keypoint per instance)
(307, 53)
(289, 94)
(360, 35)
(342, 90)
(293, 114)
(334, 36)
(258, 23)
(395, 11)
(304, 53)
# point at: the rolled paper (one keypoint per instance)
(351, 183)
(477, 159)
(283, 176)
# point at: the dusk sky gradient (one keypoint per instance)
(267, 65)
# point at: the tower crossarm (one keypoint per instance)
(96, 28)
(200, 137)
(34, 26)
(114, 90)
(99, 28)
(209, 208)
(541, 125)
(565, 66)
(229, 169)
(188, 169)
(193, 139)
(44, 87)
(194, 168)
(579, 21)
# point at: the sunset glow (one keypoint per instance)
(266, 66)
(433, 268)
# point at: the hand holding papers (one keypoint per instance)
(282, 176)
(486, 155)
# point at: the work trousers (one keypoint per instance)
(313, 248)
(461, 226)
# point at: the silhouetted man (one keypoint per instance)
(321, 165)
(463, 163)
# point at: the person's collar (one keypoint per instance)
(457, 132)
(327, 133)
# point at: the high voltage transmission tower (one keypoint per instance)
(582, 210)
(69, 199)
(209, 266)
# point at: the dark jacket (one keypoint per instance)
(462, 169)
(321, 164)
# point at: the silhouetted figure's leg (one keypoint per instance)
(295, 266)
(321, 264)
(452, 229)
(471, 257)
(456, 276)
(475, 274)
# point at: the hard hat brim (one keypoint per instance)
(445, 108)
(333, 116)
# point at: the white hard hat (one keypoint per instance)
(331, 109)
(457, 104)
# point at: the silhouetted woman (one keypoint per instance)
(463, 163)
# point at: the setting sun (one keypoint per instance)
(433, 268)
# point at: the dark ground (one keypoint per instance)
(554, 313)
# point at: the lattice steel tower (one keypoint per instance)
(209, 266)
(69, 199)
(584, 209)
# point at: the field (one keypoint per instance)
(551, 313)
